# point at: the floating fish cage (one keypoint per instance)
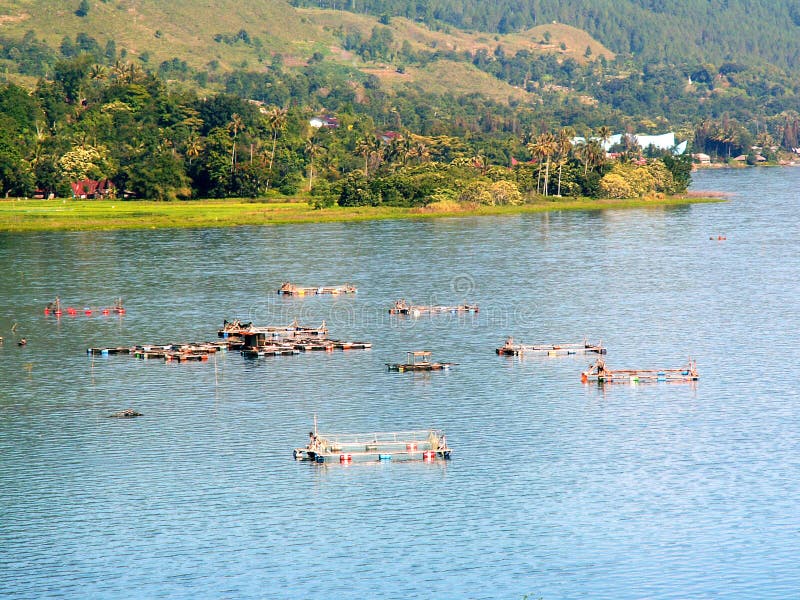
(252, 335)
(600, 374)
(401, 307)
(512, 349)
(419, 360)
(291, 289)
(345, 448)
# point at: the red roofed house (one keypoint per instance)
(91, 189)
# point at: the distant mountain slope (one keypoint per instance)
(679, 30)
(165, 29)
(225, 35)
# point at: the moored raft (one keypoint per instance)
(238, 329)
(401, 307)
(512, 349)
(419, 360)
(269, 351)
(600, 374)
(291, 289)
(426, 445)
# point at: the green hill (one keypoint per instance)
(227, 35)
(713, 31)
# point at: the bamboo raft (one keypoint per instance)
(346, 448)
(600, 374)
(290, 289)
(401, 307)
(273, 341)
(292, 330)
(419, 360)
(512, 349)
(162, 350)
(269, 351)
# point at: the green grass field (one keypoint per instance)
(84, 215)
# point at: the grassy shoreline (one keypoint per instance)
(94, 215)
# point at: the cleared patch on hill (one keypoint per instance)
(448, 77)
(544, 38)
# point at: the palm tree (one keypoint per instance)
(536, 156)
(480, 162)
(543, 148)
(596, 154)
(119, 69)
(97, 72)
(550, 146)
(563, 146)
(406, 147)
(365, 147)
(604, 134)
(193, 146)
(276, 119)
(236, 125)
(312, 149)
(421, 152)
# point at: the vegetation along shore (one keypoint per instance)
(75, 215)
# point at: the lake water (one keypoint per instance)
(556, 489)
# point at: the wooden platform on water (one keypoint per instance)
(346, 448)
(291, 289)
(292, 330)
(599, 373)
(419, 360)
(512, 349)
(401, 307)
(251, 341)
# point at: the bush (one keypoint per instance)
(614, 185)
(505, 192)
(356, 191)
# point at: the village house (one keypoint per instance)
(93, 190)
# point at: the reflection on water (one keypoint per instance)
(556, 489)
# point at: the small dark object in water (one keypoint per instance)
(22, 342)
(128, 413)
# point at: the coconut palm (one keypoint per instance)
(421, 152)
(604, 134)
(536, 156)
(312, 149)
(276, 119)
(236, 125)
(596, 154)
(544, 147)
(193, 147)
(563, 147)
(364, 147)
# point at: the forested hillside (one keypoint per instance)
(678, 30)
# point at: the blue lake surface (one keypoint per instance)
(556, 489)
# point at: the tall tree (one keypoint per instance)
(236, 125)
(276, 119)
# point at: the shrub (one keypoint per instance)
(614, 185)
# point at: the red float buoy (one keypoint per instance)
(411, 447)
(429, 455)
(345, 458)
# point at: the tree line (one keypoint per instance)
(126, 124)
